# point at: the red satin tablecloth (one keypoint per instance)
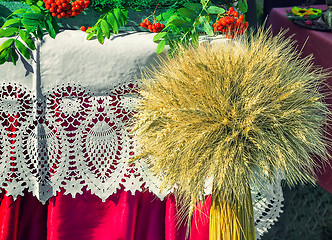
(311, 42)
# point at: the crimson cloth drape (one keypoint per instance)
(122, 217)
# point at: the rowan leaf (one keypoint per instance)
(11, 22)
(30, 22)
(159, 36)
(100, 36)
(90, 36)
(18, 11)
(215, 10)
(181, 23)
(105, 28)
(13, 56)
(28, 41)
(185, 12)
(193, 6)
(8, 32)
(23, 49)
(113, 22)
(194, 39)
(161, 46)
(50, 29)
(34, 16)
(35, 9)
(6, 44)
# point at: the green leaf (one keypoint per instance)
(54, 24)
(206, 26)
(8, 32)
(193, 6)
(14, 56)
(185, 12)
(243, 6)
(28, 41)
(50, 29)
(89, 37)
(23, 49)
(35, 9)
(100, 36)
(105, 28)
(89, 30)
(166, 15)
(30, 22)
(6, 44)
(4, 56)
(181, 23)
(18, 11)
(40, 32)
(215, 10)
(112, 21)
(121, 16)
(195, 39)
(30, 2)
(40, 3)
(34, 16)
(159, 36)
(171, 18)
(161, 46)
(11, 22)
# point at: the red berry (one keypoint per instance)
(308, 23)
(235, 14)
(83, 29)
(231, 9)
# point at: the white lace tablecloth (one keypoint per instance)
(64, 122)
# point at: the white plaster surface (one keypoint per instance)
(70, 58)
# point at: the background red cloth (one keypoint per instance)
(122, 216)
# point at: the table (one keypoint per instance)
(64, 146)
(320, 45)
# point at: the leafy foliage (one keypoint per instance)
(110, 21)
(184, 25)
(27, 24)
(138, 4)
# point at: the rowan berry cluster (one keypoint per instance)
(232, 24)
(155, 27)
(65, 8)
